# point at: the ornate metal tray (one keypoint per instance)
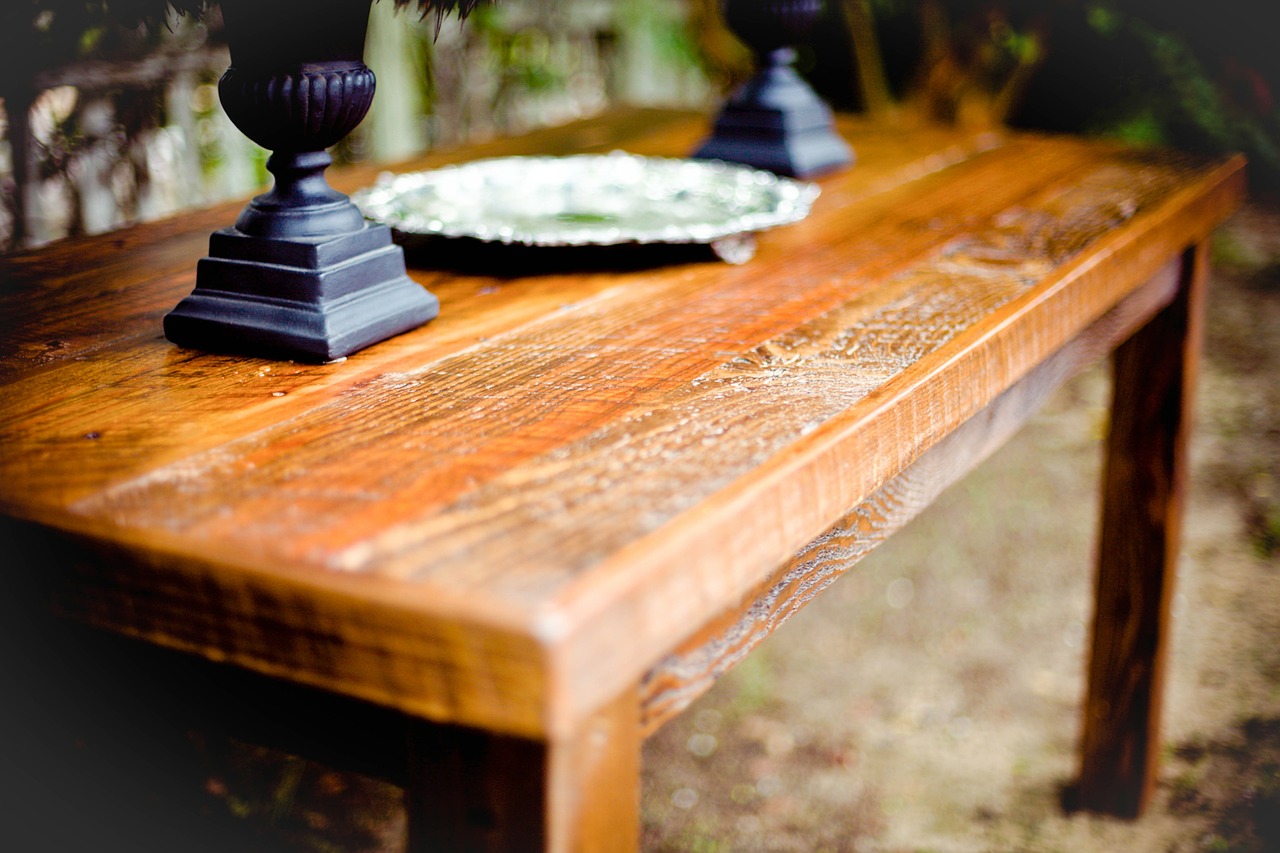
(590, 200)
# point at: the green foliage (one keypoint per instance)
(1195, 77)
(1104, 19)
(1200, 97)
(1191, 75)
(36, 35)
(1267, 535)
(667, 32)
(1141, 128)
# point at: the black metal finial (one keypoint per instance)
(775, 121)
(302, 274)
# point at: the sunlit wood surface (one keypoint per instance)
(578, 484)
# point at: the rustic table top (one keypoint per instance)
(506, 517)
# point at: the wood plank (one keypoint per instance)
(360, 636)
(651, 587)
(1144, 495)
(688, 671)
(78, 296)
(109, 392)
(770, 393)
(469, 418)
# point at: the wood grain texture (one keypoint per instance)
(689, 671)
(1144, 494)
(75, 297)
(507, 518)
(703, 556)
(598, 367)
(210, 400)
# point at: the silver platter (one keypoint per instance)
(590, 200)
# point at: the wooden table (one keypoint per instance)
(487, 557)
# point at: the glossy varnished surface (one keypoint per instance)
(509, 516)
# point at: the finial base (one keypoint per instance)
(310, 299)
(775, 121)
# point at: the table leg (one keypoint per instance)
(1144, 485)
(473, 791)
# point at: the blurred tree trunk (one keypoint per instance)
(725, 60)
(972, 75)
(872, 83)
(17, 104)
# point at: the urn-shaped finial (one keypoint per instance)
(302, 274)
